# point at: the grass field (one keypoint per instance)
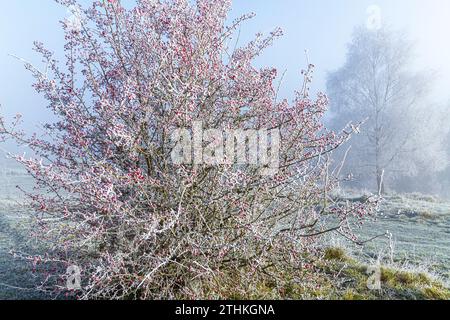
(17, 281)
(420, 234)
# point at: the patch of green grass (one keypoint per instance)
(351, 294)
(397, 278)
(335, 254)
(351, 279)
(436, 293)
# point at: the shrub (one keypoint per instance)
(112, 200)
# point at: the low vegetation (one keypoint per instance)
(334, 276)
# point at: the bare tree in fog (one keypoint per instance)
(400, 135)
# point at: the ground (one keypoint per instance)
(414, 263)
(420, 228)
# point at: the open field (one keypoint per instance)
(420, 229)
(16, 277)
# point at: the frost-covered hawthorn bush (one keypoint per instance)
(111, 199)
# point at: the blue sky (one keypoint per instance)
(323, 27)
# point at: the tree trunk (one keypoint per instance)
(380, 181)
